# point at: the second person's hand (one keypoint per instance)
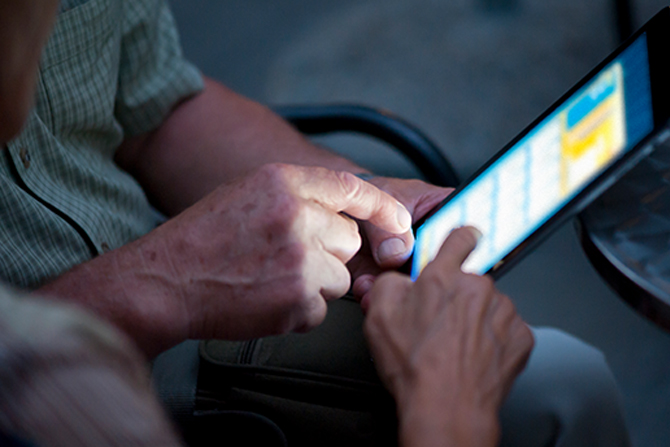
(448, 347)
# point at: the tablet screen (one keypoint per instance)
(549, 166)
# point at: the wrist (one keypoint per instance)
(435, 416)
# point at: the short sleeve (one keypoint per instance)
(153, 75)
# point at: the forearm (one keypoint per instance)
(211, 139)
(128, 287)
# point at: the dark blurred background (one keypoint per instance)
(471, 74)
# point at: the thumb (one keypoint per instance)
(389, 250)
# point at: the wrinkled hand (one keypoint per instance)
(261, 256)
(447, 346)
(383, 250)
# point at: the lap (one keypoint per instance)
(567, 395)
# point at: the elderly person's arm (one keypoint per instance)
(217, 136)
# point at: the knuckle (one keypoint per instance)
(357, 191)
(309, 314)
(274, 172)
(298, 304)
(477, 291)
(481, 286)
(288, 207)
(275, 177)
(273, 181)
(352, 225)
(341, 282)
(432, 283)
(353, 241)
(283, 213)
(349, 183)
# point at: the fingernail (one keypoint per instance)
(404, 217)
(390, 249)
(476, 233)
(365, 286)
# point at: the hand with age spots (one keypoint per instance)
(263, 255)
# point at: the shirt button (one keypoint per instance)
(105, 247)
(25, 157)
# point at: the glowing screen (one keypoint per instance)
(549, 166)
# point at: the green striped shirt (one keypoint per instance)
(111, 69)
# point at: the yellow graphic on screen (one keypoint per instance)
(593, 130)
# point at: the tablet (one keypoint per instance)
(568, 156)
